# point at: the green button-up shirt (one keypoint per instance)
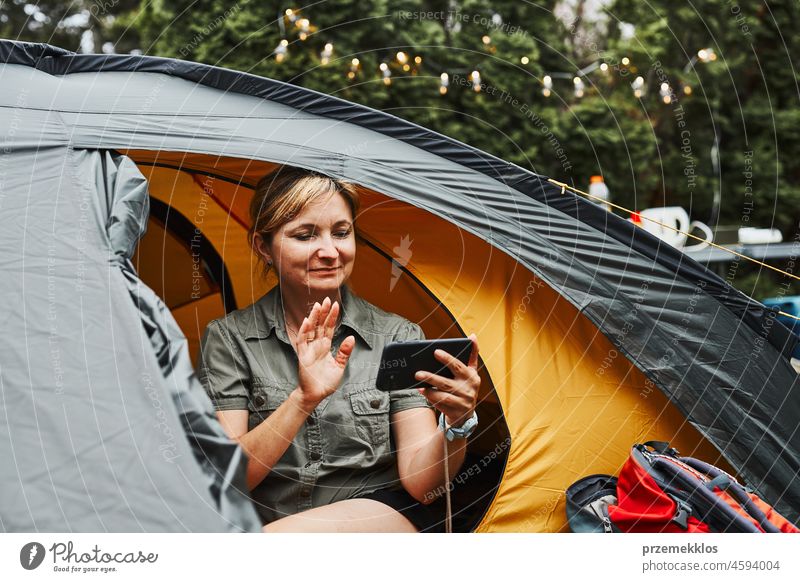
(345, 448)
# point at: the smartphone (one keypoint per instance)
(401, 360)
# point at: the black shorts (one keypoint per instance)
(426, 518)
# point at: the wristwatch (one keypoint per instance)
(460, 432)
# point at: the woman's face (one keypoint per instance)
(316, 249)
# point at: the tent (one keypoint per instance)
(594, 334)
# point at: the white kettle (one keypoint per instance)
(678, 218)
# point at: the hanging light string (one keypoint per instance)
(704, 55)
(564, 187)
(305, 29)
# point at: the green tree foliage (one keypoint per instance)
(725, 146)
(90, 24)
(746, 100)
(747, 97)
(448, 36)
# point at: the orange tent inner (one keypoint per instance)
(558, 401)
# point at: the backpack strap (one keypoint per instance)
(661, 447)
(696, 490)
(721, 481)
(727, 483)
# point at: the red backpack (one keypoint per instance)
(658, 491)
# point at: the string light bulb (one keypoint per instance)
(487, 40)
(626, 61)
(525, 60)
(604, 67)
(325, 55)
(354, 66)
(666, 93)
(281, 51)
(444, 83)
(547, 81)
(475, 77)
(418, 60)
(706, 55)
(638, 87)
(304, 25)
(579, 87)
(387, 74)
(402, 57)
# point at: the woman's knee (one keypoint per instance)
(352, 515)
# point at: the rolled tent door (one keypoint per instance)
(106, 427)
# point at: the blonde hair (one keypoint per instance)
(284, 193)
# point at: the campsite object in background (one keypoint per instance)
(677, 218)
(749, 235)
(788, 304)
(598, 188)
(583, 316)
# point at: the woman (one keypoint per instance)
(293, 379)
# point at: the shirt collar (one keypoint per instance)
(267, 316)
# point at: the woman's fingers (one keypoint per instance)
(313, 321)
(345, 350)
(438, 382)
(324, 310)
(436, 397)
(316, 321)
(455, 408)
(455, 365)
(330, 322)
(456, 397)
(473, 357)
(302, 332)
(449, 404)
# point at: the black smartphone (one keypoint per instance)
(401, 360)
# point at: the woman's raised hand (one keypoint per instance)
(319, 372)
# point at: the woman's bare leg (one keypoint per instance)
(350, 515)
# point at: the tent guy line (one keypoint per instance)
(565, 187)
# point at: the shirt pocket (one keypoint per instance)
(371, 416)
(266, 396)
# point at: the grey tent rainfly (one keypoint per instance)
(104, 424)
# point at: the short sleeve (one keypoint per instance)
(407, 399)
(222, 370)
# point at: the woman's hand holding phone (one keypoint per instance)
(456, 398)
(319, 373)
